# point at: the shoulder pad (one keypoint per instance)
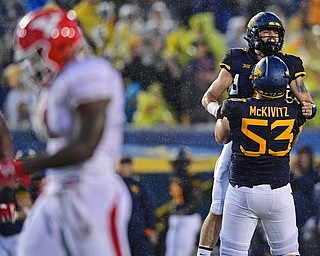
(224, 65)
(287, 54)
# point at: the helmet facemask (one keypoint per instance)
(260, 22)
(267, 47)
(36, 72)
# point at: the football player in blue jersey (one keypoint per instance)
(265, 36)
(184, 220)
(263, 130)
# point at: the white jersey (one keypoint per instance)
(84, 208)
(83, 81)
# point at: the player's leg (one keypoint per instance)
(123, 218)
(211, 226)
(10, 245)
(182, 234)
(40, 234)
(110, 211)
(3, 252)
(221, 179)
(172, 237)
(238, 222)
(86, 219)
(188, 233)
(280, 225)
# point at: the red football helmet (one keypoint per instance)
(44, 41)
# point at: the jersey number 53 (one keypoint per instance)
(287, 134)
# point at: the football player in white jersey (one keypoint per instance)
(85, 207)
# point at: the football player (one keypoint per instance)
(265, 36)
(85, 206)
(263, 130)
(184, 220)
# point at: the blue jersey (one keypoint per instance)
(186, 193)
(142, 218)
(240, 61)
(143, 204)
(262, 132)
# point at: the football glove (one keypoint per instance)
(10, 169)
(313, 111)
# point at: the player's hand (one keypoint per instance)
(308, 109)
(10, 169)
(219, 114)
(8, 212)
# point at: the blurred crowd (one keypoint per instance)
(168, 51)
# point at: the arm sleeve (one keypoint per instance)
(296, 68)
(227, 61)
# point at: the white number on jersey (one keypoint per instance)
(234, 89)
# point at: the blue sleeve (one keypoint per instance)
(226, 108)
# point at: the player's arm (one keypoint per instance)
(6, 143)
(222, 131)
(295, 140)
(300, 91)
(215, 91)
(88, 130)
(301, 120)
(7, 168)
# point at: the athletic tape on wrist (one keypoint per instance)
(212, 108)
